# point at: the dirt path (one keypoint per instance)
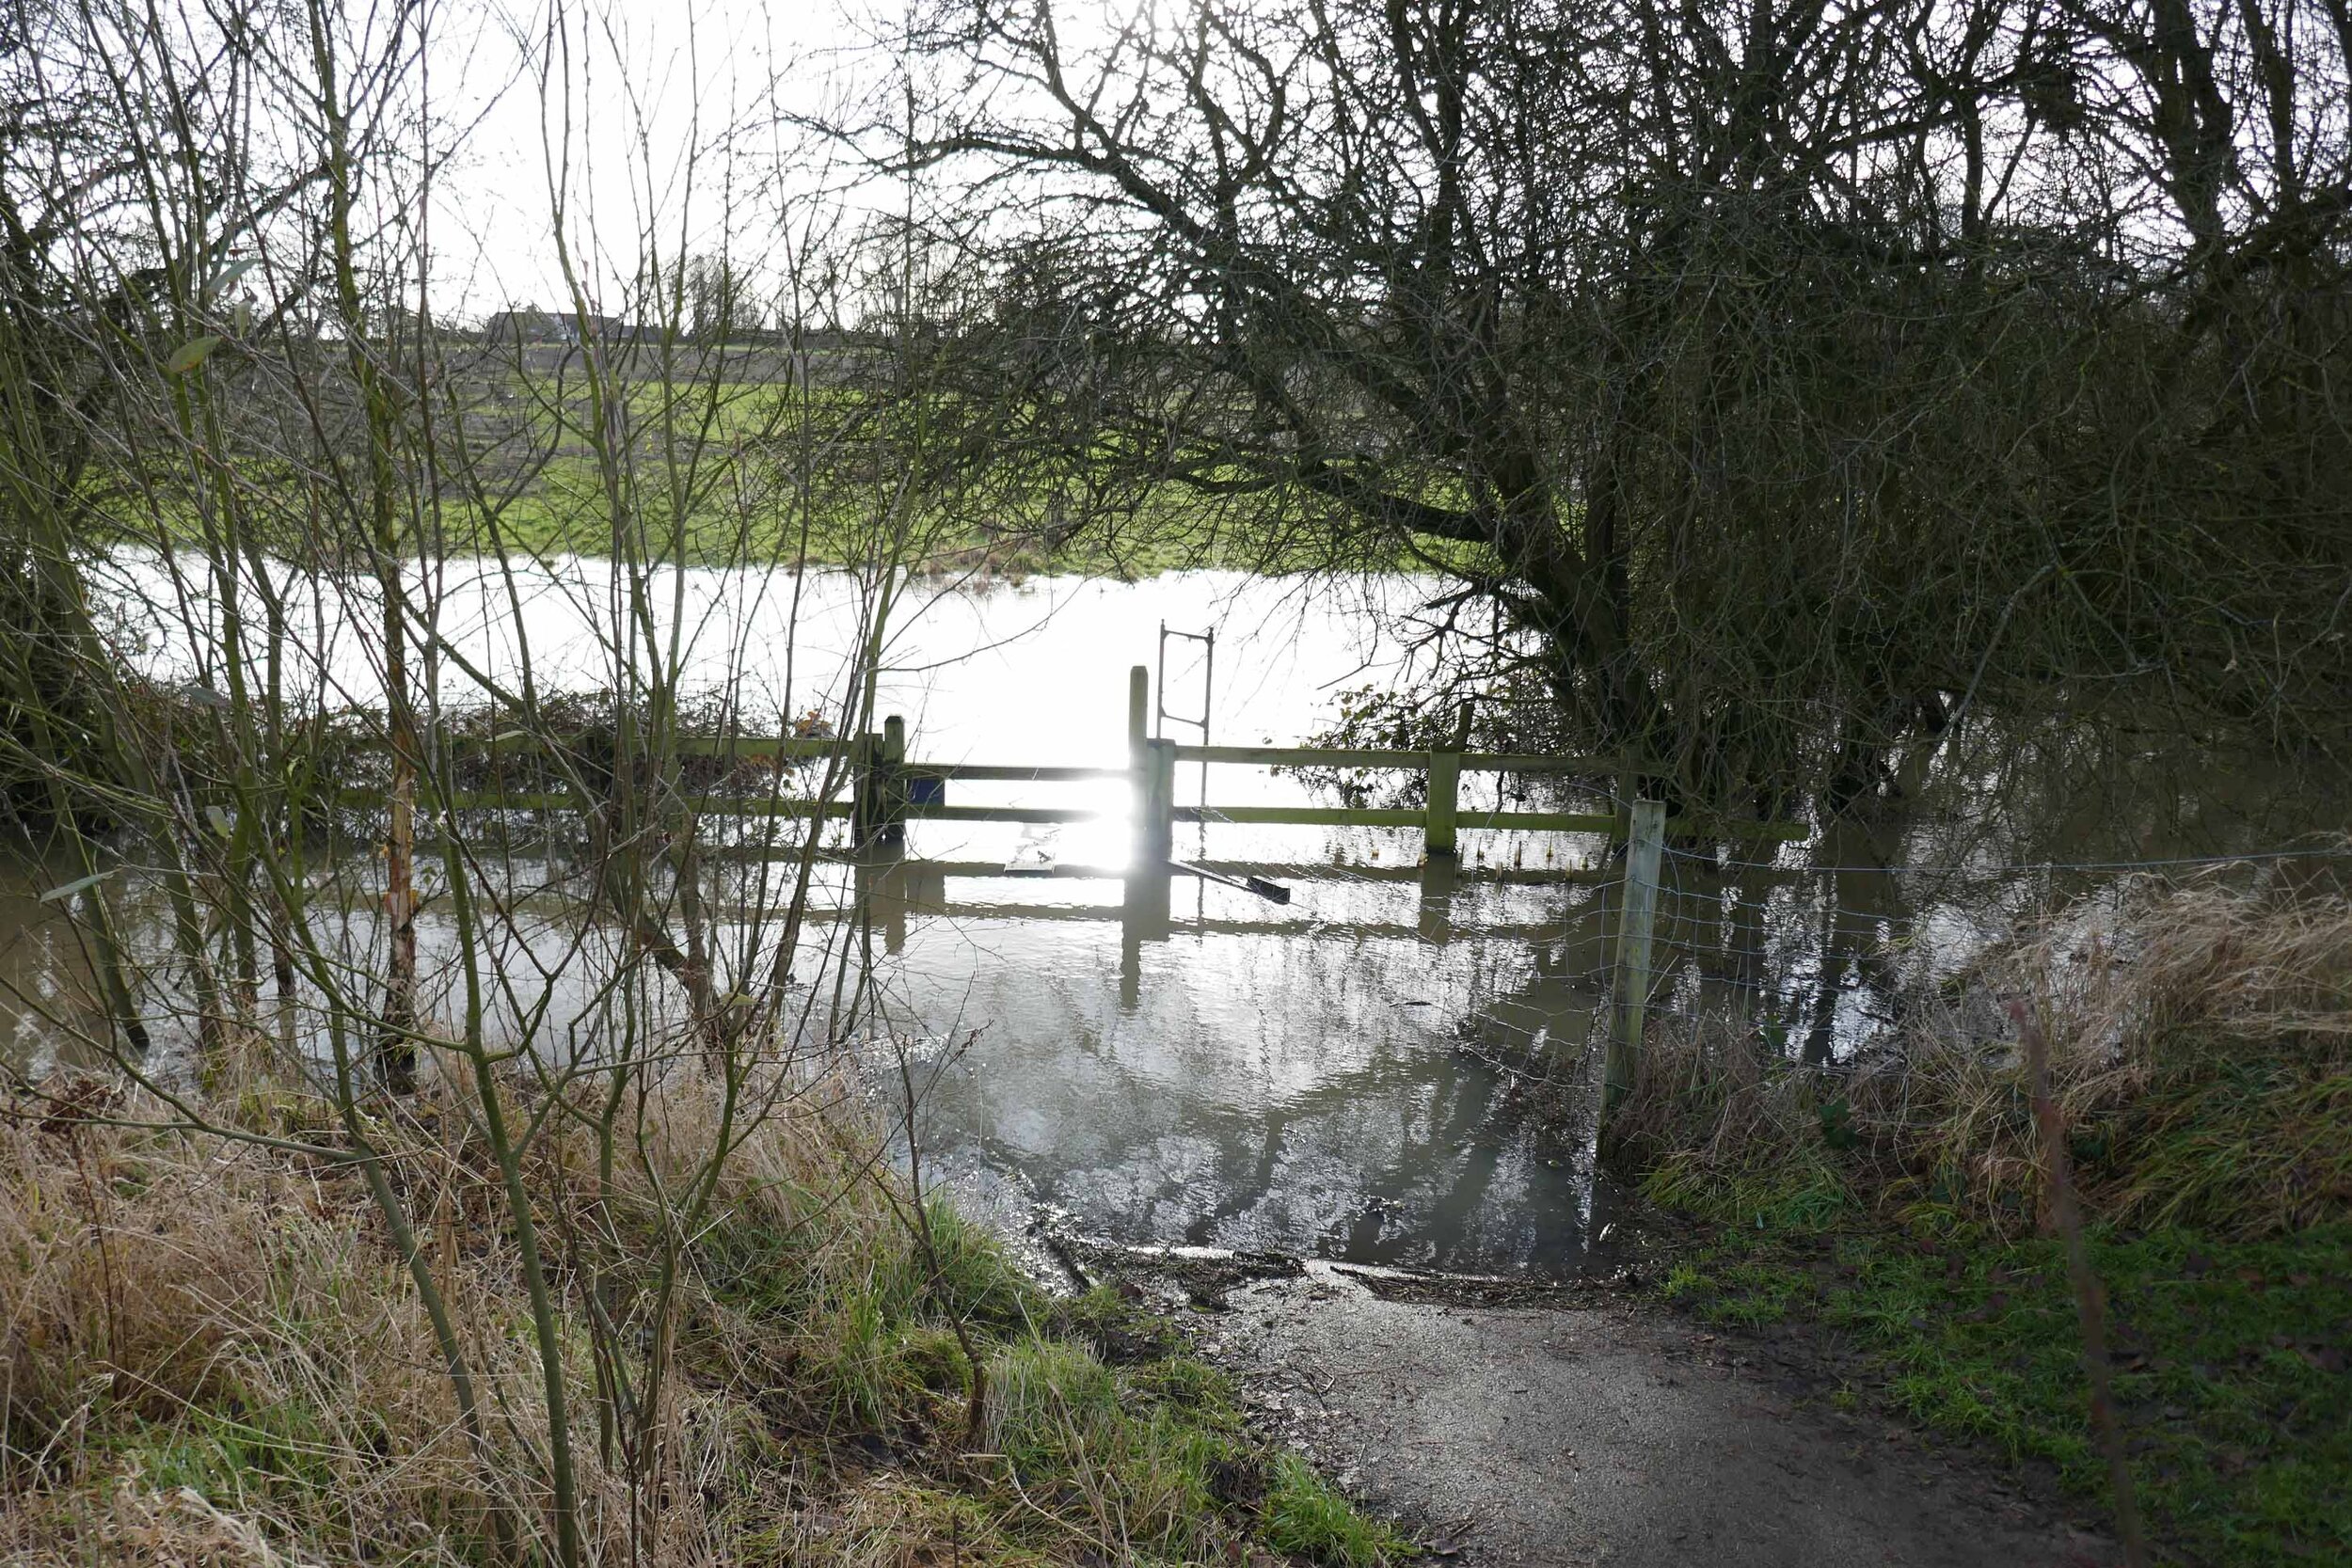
(1586, 1434)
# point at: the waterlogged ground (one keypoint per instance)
(1389, 1068)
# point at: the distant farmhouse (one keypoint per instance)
(530, 326)
(806, 357)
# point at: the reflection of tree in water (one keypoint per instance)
(1465, 1147)
(1809, 959)
(1427, 1194)
(1427, 1149)
(1819, 954)
(1459, 1170)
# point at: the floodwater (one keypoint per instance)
(1391, 1068)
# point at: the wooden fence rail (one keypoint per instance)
(887, 790)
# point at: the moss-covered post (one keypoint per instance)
(1445, 791)
(1637, 915)
(1445, 786)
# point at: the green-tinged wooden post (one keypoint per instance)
(1138, 714)
(892, 783)
(1159, 802)
(1445, 791)
(1138, 757)
(1637, 917)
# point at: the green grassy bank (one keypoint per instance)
(2229, 1356)
(1891, 1216)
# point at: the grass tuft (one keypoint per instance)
(1305, 1517)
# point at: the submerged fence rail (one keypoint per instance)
(881, 789)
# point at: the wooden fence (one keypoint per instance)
(887, 790)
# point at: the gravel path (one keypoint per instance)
(1588, 1435)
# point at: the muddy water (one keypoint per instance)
(1389, 1068)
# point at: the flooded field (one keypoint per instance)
(1392, 1067)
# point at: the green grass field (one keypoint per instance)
(713, 471)
(2232, 1379)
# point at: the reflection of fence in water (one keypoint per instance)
(881, 789)
(878, 789)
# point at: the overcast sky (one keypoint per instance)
(668, 110)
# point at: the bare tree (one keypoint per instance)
(264, 500)
(1788, 376)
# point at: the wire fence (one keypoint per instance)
(1820, 959)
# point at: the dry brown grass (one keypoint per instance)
(216, 1355)
(176, 1309)
(139, 1526)
(2201, 1054)
(213, 1349)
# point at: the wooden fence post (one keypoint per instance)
(1138, 714)
(1445, 786)
(1445, 791)
(891, 783)
(1140, 757)
(1637, 917)
(1159, 810)
(865, 798)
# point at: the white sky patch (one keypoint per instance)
(637, 130)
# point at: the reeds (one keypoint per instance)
(2200, 1041)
